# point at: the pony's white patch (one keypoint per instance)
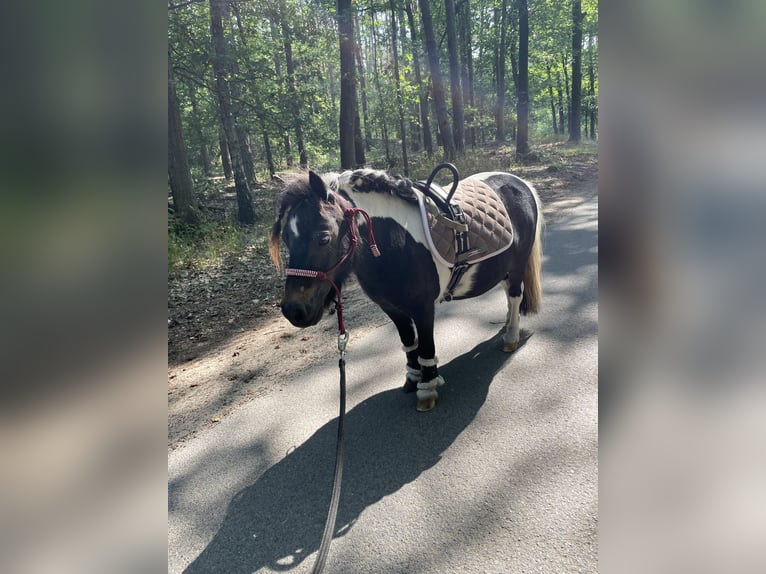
(293, 224)
(465, 284)
(405, 214)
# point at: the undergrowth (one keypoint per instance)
(219, 236)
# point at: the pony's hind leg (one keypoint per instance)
(514, 290)
(409, 339)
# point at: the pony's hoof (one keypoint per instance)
(426, 401)
(410, 386)
(510, 346)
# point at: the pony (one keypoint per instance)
(317, 220)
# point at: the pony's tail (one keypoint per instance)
(533, 288)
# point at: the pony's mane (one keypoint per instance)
(377, 181)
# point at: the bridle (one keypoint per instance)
(349, 215)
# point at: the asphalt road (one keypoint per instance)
(500, 477)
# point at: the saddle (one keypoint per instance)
(465, 224)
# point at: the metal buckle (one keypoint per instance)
(342, 342)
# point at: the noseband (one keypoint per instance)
(349, 214)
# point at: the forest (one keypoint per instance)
(259, 88)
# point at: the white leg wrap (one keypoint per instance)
(413, 375)
(431, 385)
(411, 347)
(428, 362)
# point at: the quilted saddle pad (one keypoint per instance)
(489, 227)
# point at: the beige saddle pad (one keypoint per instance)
(489, 228)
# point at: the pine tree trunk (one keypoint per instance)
(204, 153)
(179, 175)
(522, 108)
(568, 93)
(577, 18)
(348, 111)
(292, 91)
(245, 210)
(363, 91)
(560, 93)
(440, 105)
(456, 91)
(246, 152)
(592, 91)
(269, 154)
(397, 83)
(422, 90)
(466, 67)
(553, 101)
(500, 51)
(225, 157)
(381, 103)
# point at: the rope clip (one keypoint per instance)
(342, 342)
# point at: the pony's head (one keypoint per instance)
(311, 225)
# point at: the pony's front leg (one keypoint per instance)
(409, 339)
(429, 372)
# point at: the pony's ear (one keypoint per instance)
(317, 186)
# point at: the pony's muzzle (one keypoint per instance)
(299, 314)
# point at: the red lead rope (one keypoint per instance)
(349, 214)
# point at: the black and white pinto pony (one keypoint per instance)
(405, 280)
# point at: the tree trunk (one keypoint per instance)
(560, 93)
(292, 91)
(422, 90)
(269, 154)
(568, 93)
(577, 17)
(592, 91)
(522, 108)
(397, 83)
(381, 103)
(347, 85)
(363, 91)
(225, 157)
(358, 139)
(553, 101)
(440, 105)
(246, 151)
(179, 175)
(204, 153)
(501, 22)
(466, 67)
(456, 91)
(245, 211)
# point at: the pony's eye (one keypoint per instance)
(324, 239)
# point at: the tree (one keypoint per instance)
(179, 175)
(425, 123)
(440, 105)
(522, 107)
(456, 92)
(348, 109)
(574, 122)
(245, 210)
(501, 24)
(399, 97)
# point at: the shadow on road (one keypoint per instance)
(277, 521)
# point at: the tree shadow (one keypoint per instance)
(277, 521)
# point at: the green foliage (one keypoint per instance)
(258, 74)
